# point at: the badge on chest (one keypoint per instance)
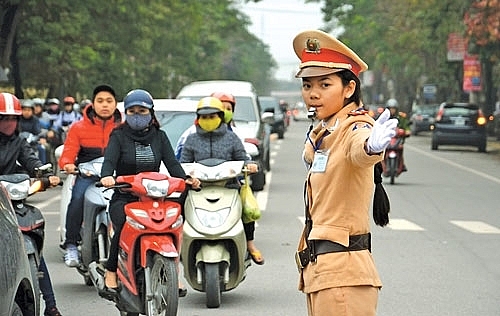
(320, 161)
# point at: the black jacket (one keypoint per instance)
(14, 148)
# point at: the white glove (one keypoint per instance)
(383, 130)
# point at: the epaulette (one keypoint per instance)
(356, 112)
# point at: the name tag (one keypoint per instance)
(320, 161)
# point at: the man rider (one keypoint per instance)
(403, 122)
(86, 140)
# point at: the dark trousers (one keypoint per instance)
(46, 285)
(117, 214)
(249, 230)
(74, 214)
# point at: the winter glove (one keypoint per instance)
(383, 130)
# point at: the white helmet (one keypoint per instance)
(392, 103)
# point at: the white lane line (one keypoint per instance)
(454, 164)
(403, 224)
(477, 227)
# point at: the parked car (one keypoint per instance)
(251, 125)
(17, 296)
(272, 104)
(422, 117)
(459, 124)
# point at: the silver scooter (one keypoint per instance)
(214, 248)
(94, 231)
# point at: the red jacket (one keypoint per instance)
(87, 138)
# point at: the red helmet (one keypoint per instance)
(9, 104)
(224, 97)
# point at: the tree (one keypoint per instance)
(67, 47)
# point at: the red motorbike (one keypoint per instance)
(149, 247)
(393, 164)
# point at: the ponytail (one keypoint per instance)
(381, 204)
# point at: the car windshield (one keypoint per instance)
(459, 111)
(175, 123)
(243, 111)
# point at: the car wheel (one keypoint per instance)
(281, 132)
(434, 144)
(482, 146)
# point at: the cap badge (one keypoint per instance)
(312, 46)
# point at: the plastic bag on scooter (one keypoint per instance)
(251, 210)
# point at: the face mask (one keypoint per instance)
(8, 127)
(209, 124)
(138, 122)
(228, 116)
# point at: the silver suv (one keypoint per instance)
(251, 127)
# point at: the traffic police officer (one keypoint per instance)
(337, 271)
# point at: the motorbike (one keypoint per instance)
(30, 219)
(149, 247)
(393, 164)
(214, 250)
(94, 245)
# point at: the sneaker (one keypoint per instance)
(52, 312)
(71, 257)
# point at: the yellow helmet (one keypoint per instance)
(209, 105)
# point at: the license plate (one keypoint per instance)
(460, 121)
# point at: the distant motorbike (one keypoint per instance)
(149, 247)
(214, 250)
(30, 219)
(94, 231)
(393, 164)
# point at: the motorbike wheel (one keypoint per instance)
(35, 276)
(392, 169)
(164, 286)
(212, 285)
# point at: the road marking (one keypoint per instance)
(477, 227)
(454, 164)
(403, 224)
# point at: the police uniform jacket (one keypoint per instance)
(339, 201)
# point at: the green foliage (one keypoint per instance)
(404, 41)
(68, 47)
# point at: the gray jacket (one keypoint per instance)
(221, 144)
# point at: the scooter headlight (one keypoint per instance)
(17, 191)
(155, 188)
(212, 219)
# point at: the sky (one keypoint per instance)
(276, 22)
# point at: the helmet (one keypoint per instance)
(27, 103)
(224, 97)
(9, 104)
(53, 101)
(38, 101)
(209, 105)
(392, 103)
(84, 103)
(69, 99)
(138, 97)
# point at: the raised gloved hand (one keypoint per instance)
(383, 130)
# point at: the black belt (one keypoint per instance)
(319, 247)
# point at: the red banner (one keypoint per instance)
(472, 73)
